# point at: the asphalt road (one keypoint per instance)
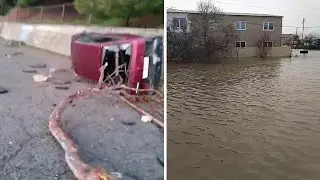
(110, 135)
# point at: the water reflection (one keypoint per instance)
(249, 120)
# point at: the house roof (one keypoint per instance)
(225, 13)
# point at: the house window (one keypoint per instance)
(268, 26)
(241, 44)
(179, 22)
(268, 44)
(241, 25)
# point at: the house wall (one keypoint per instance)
(254, 28)
(274, 52)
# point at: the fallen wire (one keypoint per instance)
(80, 169)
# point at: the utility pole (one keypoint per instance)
(303, 21)
(296, 31)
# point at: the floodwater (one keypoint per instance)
(248, 120)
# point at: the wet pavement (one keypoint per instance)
(110, 134)
(248, 120)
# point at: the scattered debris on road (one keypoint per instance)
(131, 123)
(153, 119)
(60, 82)
(146, 119)
(80, 169)
(3, 90)
(13, 54)
(62, 87)
(40, 78)
(38, 65)
(17, 53)
(160, 160)
(29, 71)
(116, 175)
(13, 43)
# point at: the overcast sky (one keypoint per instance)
(292, 10)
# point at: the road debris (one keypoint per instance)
(60, 82)
(40, 78)
(17, 53)
(62, 87)
(116, 175)
(160, 161)
(29, 71)
(146, 119)
(13, 54)
(39, 65)
(128, 123)
(13, 43)
(3, 90)
(155, 120)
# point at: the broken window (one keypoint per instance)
(116, 59)
(153, 61)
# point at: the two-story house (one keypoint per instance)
(248, 26)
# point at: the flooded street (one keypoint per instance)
(248, 120)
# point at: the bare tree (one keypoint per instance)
(209, 38)
(205, 24)
(237, 49)
(310, 39)
(263, 45)
(224, 43)
(179, 42)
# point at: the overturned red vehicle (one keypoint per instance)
(137, 59)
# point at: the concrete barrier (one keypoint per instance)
(274, 52)
(57, 38)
